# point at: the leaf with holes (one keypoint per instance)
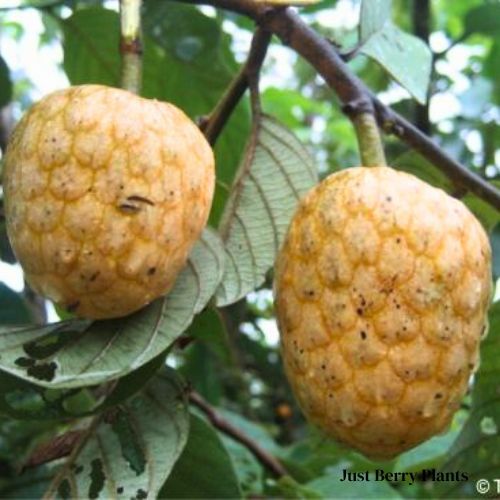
(77, 353)
(128, 452)
(477, 449)
(392, 48)
(23, 400)
(276, 171)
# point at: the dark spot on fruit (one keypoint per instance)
(128, 208)
(94, 276)
(73, 306)
(119, 490)
(362, 334)
(323, 366)
(151, 271)
(359, 311)
(140, 199)
(438, 395)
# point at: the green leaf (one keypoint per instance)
(204, 452)
(495, 247)
(275, 172)
(483, 19)
(5, 84)
(248, 468)
(130, 451)
(91, 41)
(25, 401)
(13, 310)
(405, 57)
(374, 15)
(476, 451)
(77, 353)
(330, 486)
(209, 328)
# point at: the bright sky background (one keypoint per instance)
(42, 66)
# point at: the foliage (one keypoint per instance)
(105, 383)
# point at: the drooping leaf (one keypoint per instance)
(77, 353)
(405, 57)
(275, 172)
(477, 449)
(5, 84)
(203, 452)
(128, 452)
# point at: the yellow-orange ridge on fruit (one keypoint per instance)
(105, 194)
(382, 288)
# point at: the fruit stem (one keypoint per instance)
(369, 140)
(131, 45)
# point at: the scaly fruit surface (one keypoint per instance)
(382, 288)
(105, 194)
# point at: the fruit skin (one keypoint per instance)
(105, 194)
(382, 287)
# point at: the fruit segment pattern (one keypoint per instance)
(382, 288)
(106, 193)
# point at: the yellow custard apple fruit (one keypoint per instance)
(105, 194)
(382, 288)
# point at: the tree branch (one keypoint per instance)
(214, 124)
(354, 95)
(271, 463)
(421, 14)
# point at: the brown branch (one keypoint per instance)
(421, 14)
(266, 459)
(214, 124)
(58, 447)
(353, 93)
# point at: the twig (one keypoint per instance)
(270, 462)
(460, 175)
(214, 124)
(369, 140)
(322, 55)
(59, 447)
(131, 45)
(421, 14)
